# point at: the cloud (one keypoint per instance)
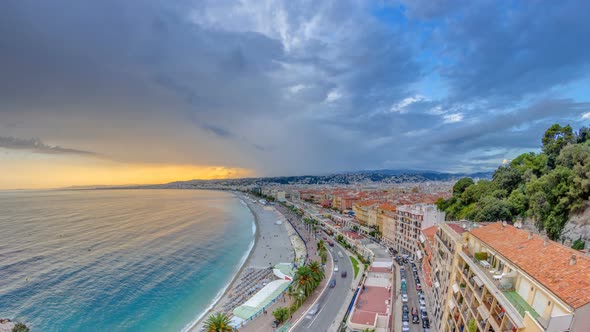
(35, 145)
(586, 115)
(401, 107)
(452, 118)
(286, 87)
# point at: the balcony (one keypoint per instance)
(493, 288)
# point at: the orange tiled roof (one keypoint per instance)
(550, 264)
(430, 232)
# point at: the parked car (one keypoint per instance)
(425, 323)
(415, 319)
(405, 327)
(405, 317)
(275, 324)
(332, 283)
(343, 274)
(418, 287)
(405, 307)
(404, 298)
(424, 314)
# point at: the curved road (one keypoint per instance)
(333, 299)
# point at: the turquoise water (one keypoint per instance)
(118, 260)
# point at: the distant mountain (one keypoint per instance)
(371, 176)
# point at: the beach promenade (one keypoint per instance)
(273, 245)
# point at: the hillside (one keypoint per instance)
(378, 176)
(548, 188)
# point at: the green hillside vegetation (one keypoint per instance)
(545, 187)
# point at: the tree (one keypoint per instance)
(583, 135)
(20, 327)
(507, 178)
(304, 280)
(577, 158)
(549, 201)
(281, 314)
(472, 327)
(218, 322)
(555, 139)
(461, 185)
(579, 244)
(530, 162)
(518, 203)
(316, 271)
(324, 255)
(320, 245)
(493, 209)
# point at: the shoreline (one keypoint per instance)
(192, 327)
(269, 248)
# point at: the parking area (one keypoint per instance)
(415, 317)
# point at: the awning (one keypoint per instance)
(451, 304)
(421, 238)
(418, 254)
(455, 288)
(478, 281)
(483, 312)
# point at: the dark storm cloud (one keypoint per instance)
(292, 87)
(35, 145)
(500, 52)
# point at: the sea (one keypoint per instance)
(118, 260)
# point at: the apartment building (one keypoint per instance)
(437, 266)
(506, 279)
(410, 220)
(388, 215)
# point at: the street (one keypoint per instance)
(413, 300)
(333, 299)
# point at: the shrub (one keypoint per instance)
(481, 256)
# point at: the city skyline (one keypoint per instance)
(127, 93)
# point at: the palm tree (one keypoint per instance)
(317, 271)
(304, 280)
(218, 322)
(320, 245)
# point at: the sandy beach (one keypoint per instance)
(272, 245)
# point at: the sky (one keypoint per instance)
(131, 92)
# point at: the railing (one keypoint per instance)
(492, 286)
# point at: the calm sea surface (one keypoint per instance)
(117, 260)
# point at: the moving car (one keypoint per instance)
(414, 311)
(314, 310)
(343, 274)
(275, 324)
(332, 283)
(335, 268)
